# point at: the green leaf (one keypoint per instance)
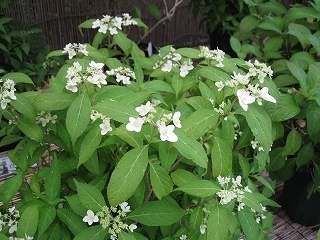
(293, 143)
(167, 155)
(221, 155)
(48, 101)
(295, 13)
(189, 52)
(78, 116)
(127, 175)
(157, 213)
(221, 222)
(47, 214)
(90, 197)
(125, 236)
(30, 129)
(273, 44)
(160, 180)
(18, 77)
(298, 72)
(132, 138)
(191, 149)
(123, 42)
(305, 155)
(177, 83)
(301, 33)
(73, 221)
(116, 110)
(199, 188)
(251, 201)
(248, 223)
(3, 237)
(23, 105)
(10, 188)
(285, 108)
(75, 204)
(56, 53)
(92, 233)
(86, 24)
(214, 74)
(182, 177)
(199, 122)
(313, 116)
(28, 222)
(55, 233)
(158, 85)
(52, 181)
(155, 11)
(260, 124)
(89, 144)
(248, 23)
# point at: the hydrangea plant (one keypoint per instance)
(170, 146)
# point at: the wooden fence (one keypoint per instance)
(59, 20)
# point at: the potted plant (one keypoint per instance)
(221, 19)
(287, 40)
(172, 151)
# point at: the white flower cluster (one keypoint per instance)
(203, 225)
(122, 74)
(105, 125)
(174, 60)
(216, 55)
(237, 131)
(146, 113)
(7, 90)
(232, 189)
(93, 74)
(111, 218)
(45, 117)
(113, 24)
(25, 238)
(247, 92)
(259, 215)
(255, 144)
(183, 237)
(10, 220)
(74, 48)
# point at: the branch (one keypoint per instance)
(168, 15)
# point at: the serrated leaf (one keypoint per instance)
(53, 181)
(89, 144)
(199, 188)
(23, 105)
(47, 214)
(167, 155)
(293, 143)
(221, 155)
(90, 197)
(127, 175)
(199, 122)
(191, 149)
(78, 116)
(189, 52)
(30, 129)
(213, 74)
(10, 187)
(92, 233)
(52, 101)
(248, 223)
(160, 180)
(305, 155)
(157, 213)
(251, 201)
(182, 177)
(73, 221)
(126, 236)
(123, 42)
(18, 77)
(158, 85)
(28, 222)
(301, 76)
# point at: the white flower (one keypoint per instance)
(183, 237)
(144, 109)
(125, 207)
(167, 66)
(176, 119)
(167, 134)
(132, 227)
(203, 228)
(244, 98)
(135, 124)
(105, 126)
(219, 85)
(185, 68)
(90, 217)
(265, 95)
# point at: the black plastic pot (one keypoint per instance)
(294, 201)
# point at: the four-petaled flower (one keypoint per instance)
(167, 134)
(90, 217)
(144, 109)
(135, 124)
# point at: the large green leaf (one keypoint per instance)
(92, 233)
(199, 122)
(23, 105)
(182, 177)
(116, 110)
(301, 76)
(313, 116)
(78, 116)
(47, 213)
(191, 149)
(52, 181)
(90, 197)
(248, 223)
(221, 155)
(18, 77)
(89, 144)
(157, 213)
(125, 236)
(52, 101)
(28, 222)
(199, 188)
(214, 74)
(132, 138)
(127, 175)
(72, 220)
(167, 154)
(293, 143)
(30, 129)
(260, 124)
(123, 42)
(160, 180)
(189, 52)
